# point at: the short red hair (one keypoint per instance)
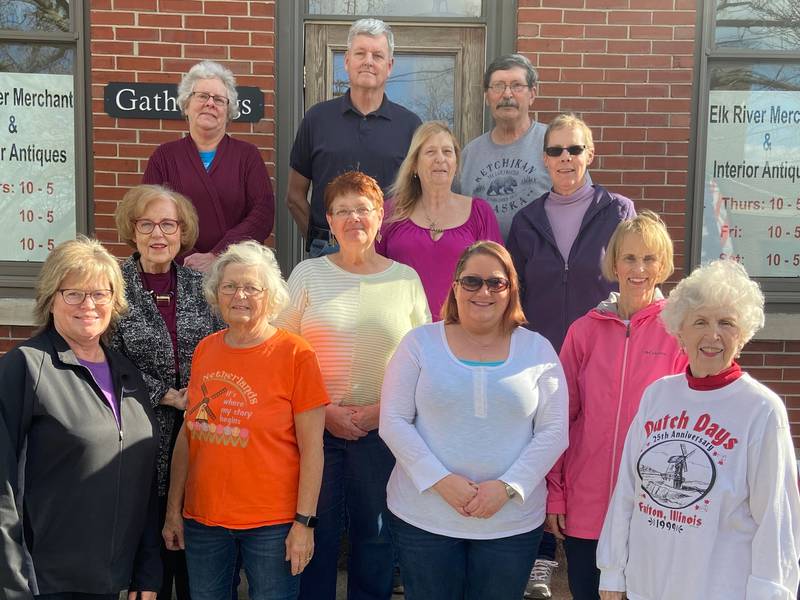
(353, 182)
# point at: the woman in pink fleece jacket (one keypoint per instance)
(610, 355)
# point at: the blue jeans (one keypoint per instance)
(582, 571)
(353, 495)
(320, 247)
(211, 560)
(438, 567)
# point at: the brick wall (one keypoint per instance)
(158, 41)
(626, 66)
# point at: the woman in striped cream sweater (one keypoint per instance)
(353, 307)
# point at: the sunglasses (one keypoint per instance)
(556, 151)
(472, 283)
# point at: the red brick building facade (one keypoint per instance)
(628, 66)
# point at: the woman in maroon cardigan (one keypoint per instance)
(225, 178)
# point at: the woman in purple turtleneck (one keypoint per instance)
(558, 241)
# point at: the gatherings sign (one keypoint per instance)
(751, 204)
(37, 164)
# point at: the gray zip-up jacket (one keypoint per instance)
(78, 503)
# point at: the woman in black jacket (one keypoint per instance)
(167, 317)
(78, 505)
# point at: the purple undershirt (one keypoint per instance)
(565, 214)
(101, 373)
(165, 284)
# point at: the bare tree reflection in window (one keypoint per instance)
(347, 7)
(763, 24)
(34, 15)
(389, 8)
(432, 99)
(756, 77)
(36, 58)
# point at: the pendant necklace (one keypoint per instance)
(433, 228)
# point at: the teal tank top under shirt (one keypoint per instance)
(478, 363)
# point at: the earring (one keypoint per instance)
(414, 176)
(332, 240)
(379, 237)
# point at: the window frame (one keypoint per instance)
(18, 279)
(782, 293)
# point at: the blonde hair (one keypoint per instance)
(649, 226)
(513, 316)
(406, 189)
(251, 254)
(135, 202)
(569, 121)
(87, 259)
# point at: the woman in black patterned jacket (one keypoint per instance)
(168, 316)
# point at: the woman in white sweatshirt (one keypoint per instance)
(706, 504)
(474, 409)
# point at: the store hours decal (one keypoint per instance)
(37, 164)
(751, 204)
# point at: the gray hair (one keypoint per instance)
(373, 28)
(718, 284)
(509, 61)
(251, 254)
(208, 69)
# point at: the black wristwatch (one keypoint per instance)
(308, 521)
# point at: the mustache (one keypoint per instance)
(506, 102)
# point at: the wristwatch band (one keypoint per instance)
(510, 491)
(307, 520)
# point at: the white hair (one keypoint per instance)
(251, 254)
(373, 28)
(208, 69)
(718, 284)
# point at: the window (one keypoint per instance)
(407, 8)
(42, 148)
(748, 158)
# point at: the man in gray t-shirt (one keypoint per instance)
(504, 166)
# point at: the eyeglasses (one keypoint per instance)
(473, 283)
(204, 96)
(500, 87)
(361, 212)
(74, 297)
(167, 226)
(556, 151)
(229, 289)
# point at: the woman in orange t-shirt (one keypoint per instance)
(247, 465)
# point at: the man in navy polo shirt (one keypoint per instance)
(360, 131)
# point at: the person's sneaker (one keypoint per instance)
(539, 582)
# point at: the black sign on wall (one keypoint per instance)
(159, 101)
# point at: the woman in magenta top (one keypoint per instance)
(428, 226)
(225, 178)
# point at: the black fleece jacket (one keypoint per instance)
(78, 503)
